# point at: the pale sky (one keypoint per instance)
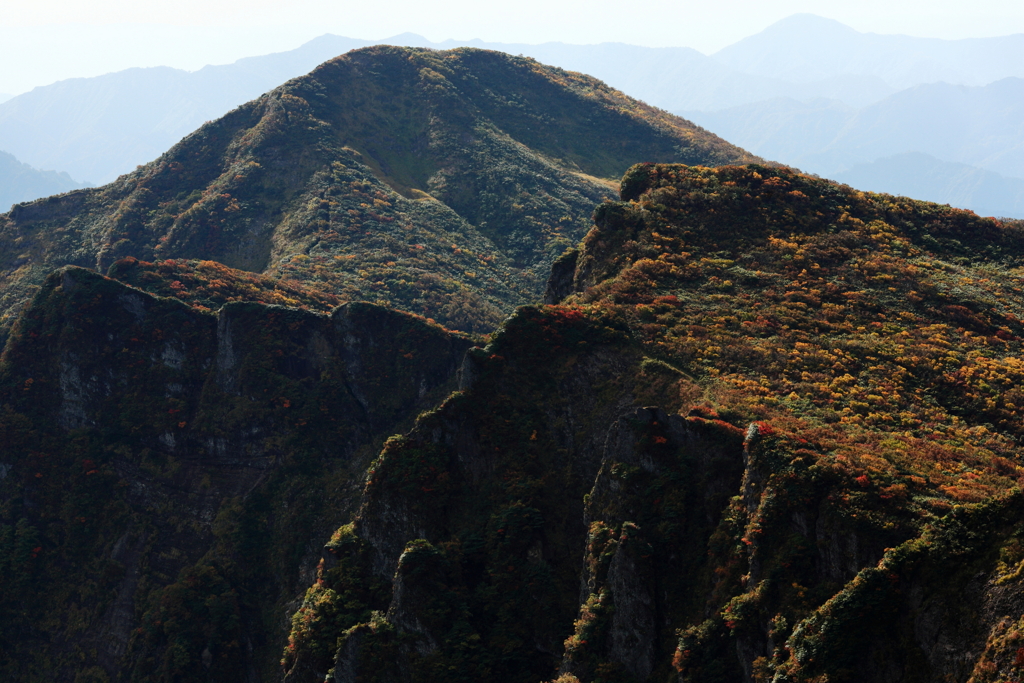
(43, 41)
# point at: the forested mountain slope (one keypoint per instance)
(825, 483)
(441, 182)
(769, 428)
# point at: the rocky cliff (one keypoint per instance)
(828, 489)
(767, 429)
(169, 475)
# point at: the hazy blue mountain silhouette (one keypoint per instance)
(20, 182)
(806, 91)
(921, 176)
(980, 126)
(963, 126)
(805, 48)
(98, 128)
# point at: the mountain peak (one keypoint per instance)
(408, 39)
(803, 21)
(804, 29)
(442, 182)
(804, 48)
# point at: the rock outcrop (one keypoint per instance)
(169, 441)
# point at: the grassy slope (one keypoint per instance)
(441, 182)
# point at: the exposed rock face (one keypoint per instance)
(633, 591)
(560, 282)
(644, 451)
(193, 417)
(488, 554)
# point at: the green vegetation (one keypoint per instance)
(169, 475)
(208, 285)
(443, 183)
(841, 470)
(768, 428)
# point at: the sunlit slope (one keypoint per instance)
(771, 431)
(441, 182)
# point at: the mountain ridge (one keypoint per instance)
(442, 182)
(765, 411)
(21, 182)
(676, 288)
(677, 79)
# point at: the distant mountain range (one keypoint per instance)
(914, 174)
(805, 48)
(807, 91)
(976, 127)
(22, 183)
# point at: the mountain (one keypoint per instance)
(784, 128)
(766, 428)
(20, 182)
(754, 441)
(975, 126)
(98, 128)
(805, 48)
(970, 125)
(444, 183)
(232, 428)
(920, 175)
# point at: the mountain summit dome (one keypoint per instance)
(442, 182)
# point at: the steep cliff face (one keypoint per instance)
(172, 473)
(481, 512)
(441, 182)
(832, 468)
